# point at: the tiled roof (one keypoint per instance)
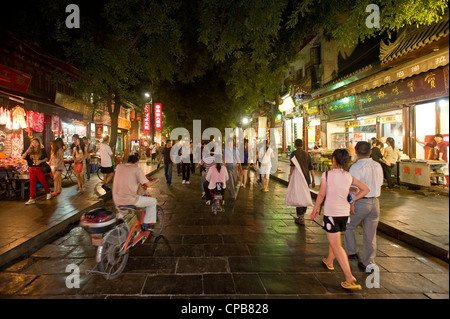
(414, 38)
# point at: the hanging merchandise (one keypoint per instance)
(38, 122)
(9, 123)
(56, 125)
(2, 116)
(29, 121)
(18, 118)
(17, 145)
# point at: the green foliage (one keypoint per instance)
(212, 60)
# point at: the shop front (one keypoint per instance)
(22, 118)
(102, 122)
(408, 110)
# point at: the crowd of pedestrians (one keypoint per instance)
(40, 164)
(349, 192)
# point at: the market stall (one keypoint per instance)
(13, 175)
(17, 127)
(420, 172)
(321, 159)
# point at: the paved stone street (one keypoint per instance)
(253, 250)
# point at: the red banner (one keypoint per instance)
(146, 121)
(158, 116)
(13, 79)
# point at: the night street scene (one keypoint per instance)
(212, 158)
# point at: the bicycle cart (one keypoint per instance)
(114, 237)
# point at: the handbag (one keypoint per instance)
(298, 193)
(45, 168)
(78, 167)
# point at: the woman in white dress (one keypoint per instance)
(266, 166)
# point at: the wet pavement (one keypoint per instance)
(417, 217)
(253, 250)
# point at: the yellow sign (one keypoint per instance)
(395, 118)
(365, 122)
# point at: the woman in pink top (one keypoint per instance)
(216, 174)
(335, 185)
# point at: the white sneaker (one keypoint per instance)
(187, 182)
(49, 196)
(208, 202)
(30, 201)
(183, 181)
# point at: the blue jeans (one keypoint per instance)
(168, 173)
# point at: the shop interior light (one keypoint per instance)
(442, 103)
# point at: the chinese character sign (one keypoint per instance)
(146, 122)
(158, 116)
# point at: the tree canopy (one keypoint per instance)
(203, 59)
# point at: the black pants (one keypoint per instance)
(301, 211)
(387, 172)
(186, 170)
(192, 164)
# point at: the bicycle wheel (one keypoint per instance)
(112, 257)
(100, 174)
(158, 227)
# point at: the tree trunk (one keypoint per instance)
(114, 114)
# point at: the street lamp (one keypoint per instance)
(245, 121)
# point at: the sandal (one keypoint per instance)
(324, 260)
(351, 285)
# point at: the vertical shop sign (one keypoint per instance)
(158, 116)
(146, 121)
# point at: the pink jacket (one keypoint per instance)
(214, 177)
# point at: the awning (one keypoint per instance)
(38, 104)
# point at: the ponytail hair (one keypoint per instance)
(218, 167)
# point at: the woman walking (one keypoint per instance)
(392, 155)
(79, 158)
(56, 163)
(266, 166)
(35, 155)
(244, 167)
(335, 185)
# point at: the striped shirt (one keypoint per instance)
(208, 162)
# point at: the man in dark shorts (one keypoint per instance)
(106, 166)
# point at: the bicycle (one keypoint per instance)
(114, 245)
(99, 173)
(217, 199)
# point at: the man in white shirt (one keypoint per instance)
(106, 166)
(367, 209)
(126, 182)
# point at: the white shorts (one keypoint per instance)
(150, 208)
(264, 171)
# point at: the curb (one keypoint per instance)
(36, 242)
